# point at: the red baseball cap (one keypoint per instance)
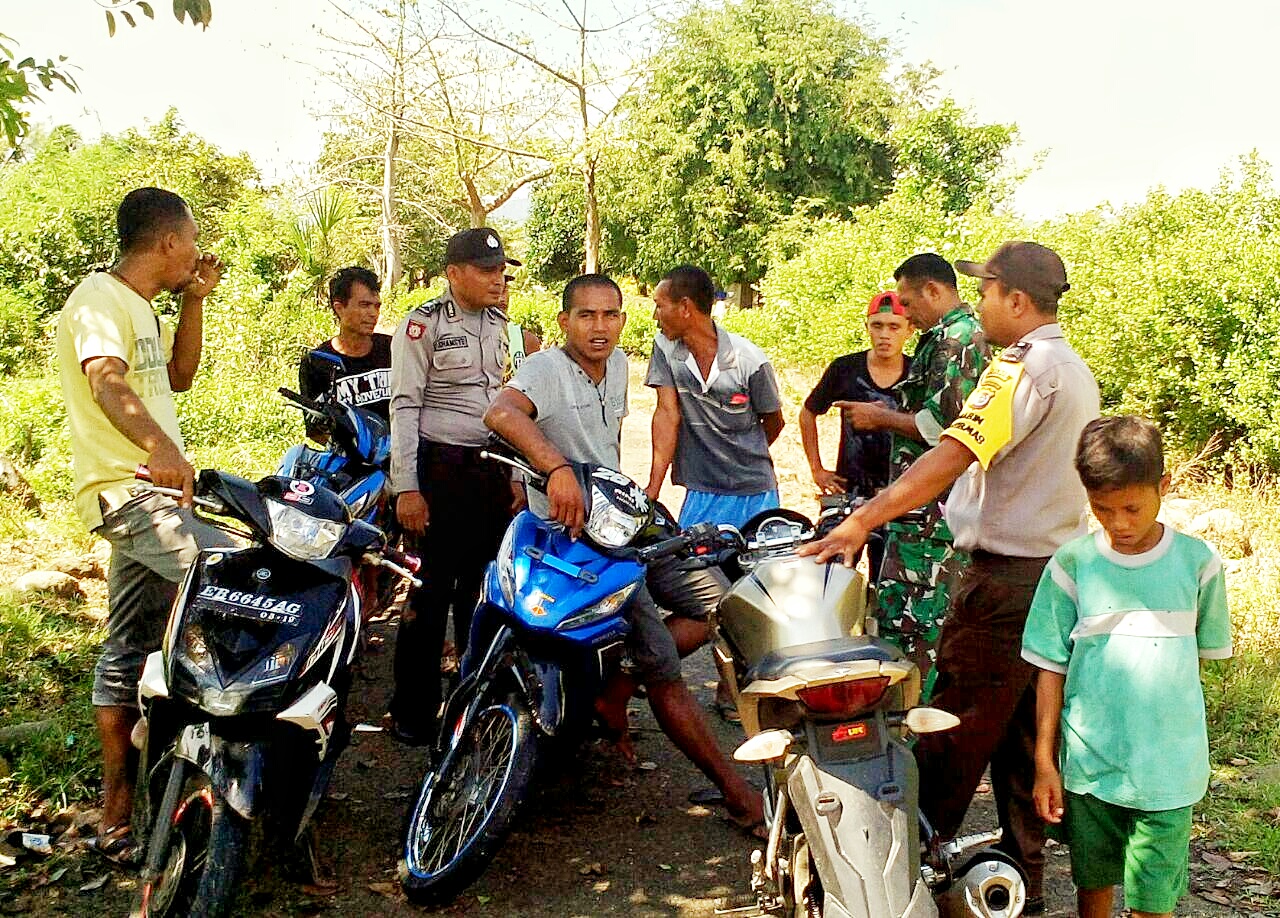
(886, 302)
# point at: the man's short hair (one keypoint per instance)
(1119, 451)
(341, 284)
(585, 282)
(146, 214)
(692, 282)
(926, 266)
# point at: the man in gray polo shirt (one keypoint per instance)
(1015, 503)
(718, 407)
(567, 403)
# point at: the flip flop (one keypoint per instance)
(118, 846)
(727, 710)
(706, 796)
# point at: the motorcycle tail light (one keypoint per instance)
(844, 698)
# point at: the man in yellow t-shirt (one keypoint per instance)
(119, 366)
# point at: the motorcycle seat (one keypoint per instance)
(784, 661)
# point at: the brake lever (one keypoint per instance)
(208, 503)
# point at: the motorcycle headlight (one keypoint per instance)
(195, 649)
(605, 608)
(507, 567)
(299, 535)
(609, 525)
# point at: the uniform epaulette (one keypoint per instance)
(429, 309)
(1015, 353)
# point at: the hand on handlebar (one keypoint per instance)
(170, 469)
(564, 497)
(844, 542)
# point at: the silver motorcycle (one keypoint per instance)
(829, 713)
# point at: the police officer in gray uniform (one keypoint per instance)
(447, 362)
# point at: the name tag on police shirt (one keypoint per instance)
(985, 424)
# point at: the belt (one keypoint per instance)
(451, 454)
(984, 558)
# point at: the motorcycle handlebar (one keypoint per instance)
(301, 401)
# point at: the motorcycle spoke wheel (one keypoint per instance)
(463, 799)
(174, 891)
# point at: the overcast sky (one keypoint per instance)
(1118, 95)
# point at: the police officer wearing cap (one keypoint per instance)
(447, 362)
(1016, 499)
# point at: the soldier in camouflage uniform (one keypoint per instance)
(920, 566)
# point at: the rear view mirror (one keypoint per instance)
(764, 747)
(930, 720)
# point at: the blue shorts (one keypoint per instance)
(727, 509)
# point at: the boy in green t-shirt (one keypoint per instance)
(1118, 622)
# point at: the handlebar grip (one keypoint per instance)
(409, 562)
(297, 399)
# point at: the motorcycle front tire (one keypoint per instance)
(204, 857)
(500, 739)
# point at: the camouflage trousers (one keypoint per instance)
(917, 578)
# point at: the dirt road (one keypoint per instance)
(598, 840)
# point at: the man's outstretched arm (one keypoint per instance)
(928, 477)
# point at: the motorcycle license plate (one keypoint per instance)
(254, 606)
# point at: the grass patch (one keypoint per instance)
(1242, 809)
(47, 653)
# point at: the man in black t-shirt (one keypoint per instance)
(363, 378)
(862, 467)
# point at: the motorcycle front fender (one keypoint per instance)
(234, 769)
(542, 683)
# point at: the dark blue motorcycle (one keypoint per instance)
(354, 463)
(547, 632)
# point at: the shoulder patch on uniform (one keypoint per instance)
(1015, 353)
(415, 330)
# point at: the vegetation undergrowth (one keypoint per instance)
(47, 652)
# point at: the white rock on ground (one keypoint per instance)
(1225, 529)
(54, 583)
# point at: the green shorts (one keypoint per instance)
(1146, 851)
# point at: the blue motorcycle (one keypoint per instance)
(547, 632)
(354, 463)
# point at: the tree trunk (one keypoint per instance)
(475, 203)
(391, 266)
(592, 240)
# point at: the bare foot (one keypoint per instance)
(613, 716)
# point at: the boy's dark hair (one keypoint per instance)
(1119, 451)
(692, 282)
(584, 282)
(926, 266)
(342, 282)
(146, 214)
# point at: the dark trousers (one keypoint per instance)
(469, 507)
(983, 680)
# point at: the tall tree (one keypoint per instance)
(593, 56)
(755, 109)
(450, 134)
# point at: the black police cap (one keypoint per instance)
(480, 246)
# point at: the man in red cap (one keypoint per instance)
(862, 463)
(921, 567)
(1016, 500)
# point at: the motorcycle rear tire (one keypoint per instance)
(206, 889)
(509, 725)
